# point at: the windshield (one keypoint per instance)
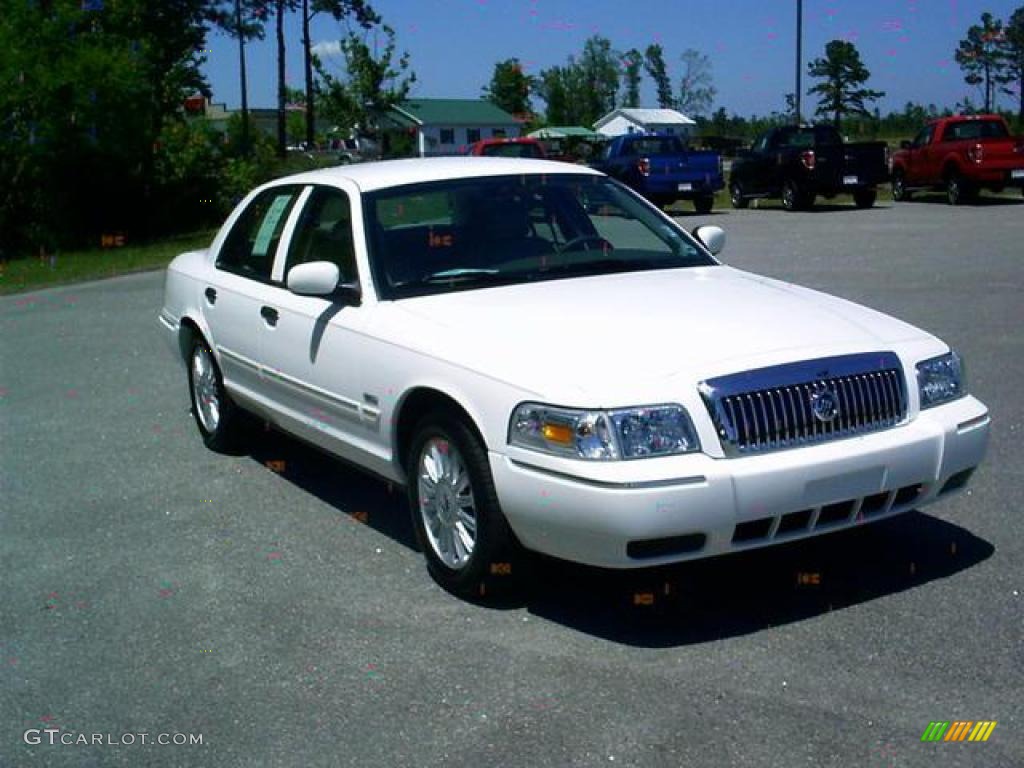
(473, 233)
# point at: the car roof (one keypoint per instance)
(384, 174)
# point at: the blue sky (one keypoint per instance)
(906, 44)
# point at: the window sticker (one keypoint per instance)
(269, 225)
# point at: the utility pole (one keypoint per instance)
(799, 52)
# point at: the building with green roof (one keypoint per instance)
(448, 126)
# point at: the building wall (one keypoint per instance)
(461, 135)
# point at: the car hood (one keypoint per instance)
(597, 336)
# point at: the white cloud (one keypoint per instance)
(326, 48)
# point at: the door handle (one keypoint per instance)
(269, 314)
(211, 295)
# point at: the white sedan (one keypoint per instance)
(547, 362)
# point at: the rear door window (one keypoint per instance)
(250, 247)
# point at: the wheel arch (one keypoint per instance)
(950, 166)
(189, 328)
(414, 405)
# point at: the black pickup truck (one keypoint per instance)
(798, 163)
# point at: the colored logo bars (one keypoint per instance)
(958, 730)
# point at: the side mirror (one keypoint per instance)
(712, 237)
(316, 278)
(905, 145)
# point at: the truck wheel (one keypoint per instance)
(704, 204)
(736, 196)
(957, 190)
(792, 198)
(865, 198)
(459, 524)
(900, 193)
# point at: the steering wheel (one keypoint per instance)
(579, 240)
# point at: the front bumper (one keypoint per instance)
(703, 506)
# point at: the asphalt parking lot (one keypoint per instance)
(280, 611)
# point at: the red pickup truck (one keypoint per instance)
(961, 155)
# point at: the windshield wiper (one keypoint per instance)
(467, 274)
(450, 275)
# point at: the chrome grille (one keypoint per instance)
(798, 404)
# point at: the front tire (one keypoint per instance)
(465, 537)
(218, 418)
(704, 204)
(794, 199)
(865, 198)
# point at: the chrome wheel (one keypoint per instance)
(205, 387)
(446, 502)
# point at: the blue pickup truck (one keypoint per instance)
(661, 169)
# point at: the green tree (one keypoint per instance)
(632, 61)
(371, 85)
(243, 20)
(338, 9)
(599, 72)
(696, 92)
(510, 87)
(981, 55)
(844, 75)
(557, 88)
(584, 89)
(1013, 53)
(654, 63)
(88, 90)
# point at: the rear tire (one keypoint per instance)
(958, 191)
(468, 545)
(900, 193)
(736, 196)
(219, 420)
(865, 198)
(704, 204)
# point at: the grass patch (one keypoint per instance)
(76, 266)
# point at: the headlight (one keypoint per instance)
(624, 433)
(940, 380)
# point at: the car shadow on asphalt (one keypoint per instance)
(823, 207)
(982, 201)
(681, 604)
(367, 499)
(744, 593)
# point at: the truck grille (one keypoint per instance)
(799, 404)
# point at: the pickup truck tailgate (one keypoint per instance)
(867, 160)
(689, 167)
